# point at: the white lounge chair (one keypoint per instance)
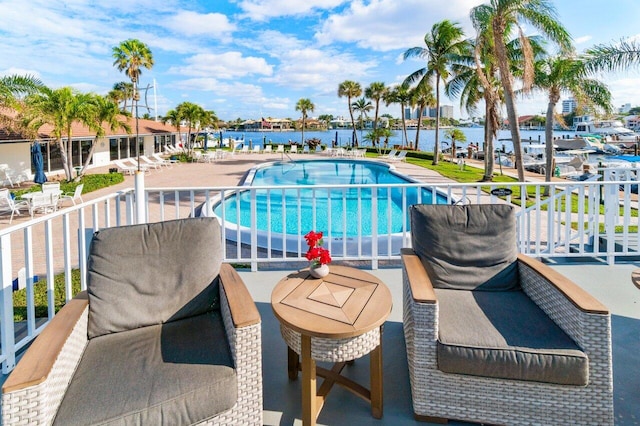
(166, 161)
(125, 169)
(293, 149)
(389, 155)
(256, 149)
(402, 156)
(280, 149)
(10, 206)
(73, 196)
(268, 149)
(305, 149)
(142, 167)
(245, 149)
(152, 163)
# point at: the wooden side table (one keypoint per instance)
(337, 319)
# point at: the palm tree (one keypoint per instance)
(195, 116)
(422, 97)
(304, 105)
(59, 108)
(12, 89)
(558, 74)
(400, 95)
(454, 135)
(130, 56)
(375, 92)
(502, 16)
(445, 40)
(105, 113)
(362, 106)
(122, 92)
(350, 89)
(612, 57)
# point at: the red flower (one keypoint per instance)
(316, 254)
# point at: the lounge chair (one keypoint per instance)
(494, 336)
(256, 149)
(400, 156)
(280, 149)
(305, 149)
(155, 164)
(10, 206)
(166, 161)
(391, 154)
(268, 149)
(293, 149)
(74, 196)
(125, 169)
(245, 149)
(154, 339)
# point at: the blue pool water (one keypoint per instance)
(338, 212)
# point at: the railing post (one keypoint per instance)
(254, 232)
(611, 207)
(7, 335)
(140, 197)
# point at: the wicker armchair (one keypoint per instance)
(468, 390)
(159, 367)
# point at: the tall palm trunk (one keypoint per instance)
(548, 138)
(415, 144)
(436, 145)
(353, 122)
(507, 84)
(303, 124)
(64, 155)
(489, 132)
(404, 124)
(376, 137)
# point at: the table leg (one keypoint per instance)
(376, 380)
(293, 363)
(309, 400)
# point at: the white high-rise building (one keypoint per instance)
(569, 105)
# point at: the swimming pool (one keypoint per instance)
(339, 197)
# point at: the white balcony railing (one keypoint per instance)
(578, 219)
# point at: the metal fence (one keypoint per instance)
(263, 226)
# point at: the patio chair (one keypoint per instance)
(389, 155)
(293, 149)
(166, 161)
(280, 149)
(51, 187)
(73, 196)
(268, 149)
(494, 336)
(400, 156)
(155, 339)
(43, 202)
(256, 149)
(10, 206)
(152, 163)
(125, 169)
(305, 149)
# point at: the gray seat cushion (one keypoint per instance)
(177, 373)
(505, 335)
(149, 274)
(471, 247)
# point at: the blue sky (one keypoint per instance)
(253, 58)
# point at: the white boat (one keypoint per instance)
(613, 130)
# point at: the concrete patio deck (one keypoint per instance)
(282, 406)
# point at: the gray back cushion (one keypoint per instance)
(470, 247)
(150, 274)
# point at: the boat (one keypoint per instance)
(591, 144)
(612, 130)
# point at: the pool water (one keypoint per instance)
(341, 212)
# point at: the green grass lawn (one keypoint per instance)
(91, 183)
(40, 296)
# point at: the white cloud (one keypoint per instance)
(261, 10)
(223, 66)
(582, 40)
(315, 69)
(389, 24)
(196, 24)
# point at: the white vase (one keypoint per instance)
(319, 271)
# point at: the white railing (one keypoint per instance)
(578, 219)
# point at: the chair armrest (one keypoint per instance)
(421, 287)
(241, 305)
(576, 295)
(37, 362)
(34, 390)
